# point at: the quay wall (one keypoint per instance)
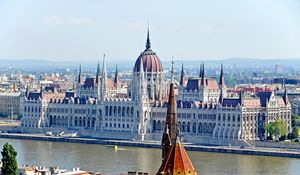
(149, 144)
(271, 144)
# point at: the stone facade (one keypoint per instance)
(9, 103)
(205, 115)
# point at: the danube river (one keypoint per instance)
(108, 161)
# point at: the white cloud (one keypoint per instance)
(59, 20)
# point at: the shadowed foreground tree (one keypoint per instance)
(9, 161)
(295, 132)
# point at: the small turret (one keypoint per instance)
(285, 96)
(148, 43)
(41, 92)
(221, 98)
(221, 80)
(182, 76)
(116, 80)
(98, 73)
(104, 88)
(200, 71)
(241, 97)
(80, 76)
(172, 72)
(203, 76)
(27, 91)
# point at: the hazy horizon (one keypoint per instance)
(81, 31)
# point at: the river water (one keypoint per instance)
(108, 161)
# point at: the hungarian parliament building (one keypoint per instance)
(97, 107)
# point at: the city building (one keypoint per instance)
(10, 104)
(41, 170)
(205, 113)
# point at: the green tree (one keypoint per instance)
(9, 161)
(268, 129)
(277, 129)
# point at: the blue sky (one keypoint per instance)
(82, 30)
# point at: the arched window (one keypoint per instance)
(76, 122)
(205, 128)
(194, 127)
(51, 120)
(106, 110)
(123, 111)
(119, 111)
(154, 125)
(127, 111)
(89, 122)
(93, 122)
(210, 128)
(115, 110)
(200, 128)
(159, 125)
(188, 127)
(83, 122)
(54, 120)
(183, 127)
(110, 110)
(80, 122)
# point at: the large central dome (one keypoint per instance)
(151, 62)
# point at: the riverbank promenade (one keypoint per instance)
(156, 144)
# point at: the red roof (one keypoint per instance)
(212, 84)
(177, 162)
(151, 62)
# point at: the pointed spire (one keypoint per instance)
(172, 72)
(104, 72)
(221, 96)
(222, 80)
(41, 92)
(241, 97)
(104, 88)
(200, 72)
(27, 91)
(98, 73)
(203, 76)
(79, 75)
(148, 43)
(175, 160)
(171, 118)
(182, 76)
(285, 96)
(116, 75)
(171, 127)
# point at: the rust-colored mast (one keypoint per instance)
(171, 130)
(175, 160)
